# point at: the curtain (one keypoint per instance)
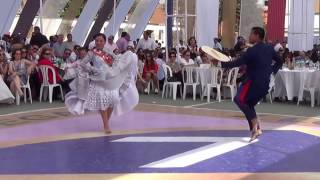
(301, 25)
(207, 12)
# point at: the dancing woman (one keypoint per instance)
(259, 60)
(128, 92)
(99, 79)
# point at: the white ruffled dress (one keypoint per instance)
(5, 94)
(109, 86)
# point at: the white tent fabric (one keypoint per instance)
(49, 11)
(207, 12)
(301, 32)
(8, 11)
(85, 20)
(251, 15)
(140, 17)
(118, 17)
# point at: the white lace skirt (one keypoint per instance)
(99, 98)
(128, 100)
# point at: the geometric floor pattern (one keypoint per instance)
(159, 142)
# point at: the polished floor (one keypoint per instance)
(159, 141)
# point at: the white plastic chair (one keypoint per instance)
(303, 88)
(170, 86)
(45, 82)
(232, 82)
(25, 87)
(216, 80)
(190, 80)
(150, 86)
(271, 88)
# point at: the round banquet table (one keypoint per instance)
(290, 82)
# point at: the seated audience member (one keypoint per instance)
(186, 60)
(160, 75)
(205, 59)
(75, 53)
(141, 61)
(150, 71)
(82, 52)
(175, 68)
(46, 58)
(193, 47)
(19, 70)
(32, 53)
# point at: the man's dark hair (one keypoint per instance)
(82, 49)
(124, 34)
(259, 31)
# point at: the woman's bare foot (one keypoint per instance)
(107, 130)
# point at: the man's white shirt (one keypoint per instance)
(147, 44)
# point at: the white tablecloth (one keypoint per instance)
(290, 82)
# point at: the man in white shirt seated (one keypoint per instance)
(146, 42)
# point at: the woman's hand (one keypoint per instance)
(14, 74)
(152, 71)
(29, 71)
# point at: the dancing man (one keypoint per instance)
(259, 61)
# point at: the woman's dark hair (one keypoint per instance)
(101, 35)
(160, 55)
(76, 47)
(185, 51)
(28, 47)
(287, 55)
(140, 50)
(296, 53)
(141, 56)
(51, 38)
(192, 38)
(14, 52)
(172, 53)
(82, 49)
(173, 49)
(152, 63)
